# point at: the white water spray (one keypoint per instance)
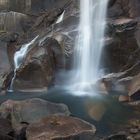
(60, 18)
(90, 44)
(18, 58)
(20, 55)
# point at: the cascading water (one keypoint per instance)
(18, 59)
(90, 43)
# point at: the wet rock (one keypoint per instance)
(6, 137)
(111, 2)
(30, 110)
(66, 34)
(117, 85)
(6, 130)
(124, 24)
(5, 127)
(134, 103)
(123, 98)
(8, 46)
(117, 137)
(134, 88)
(134, 130)
(124, 45)
(135, 123)
(130, 138)
(125, 8)
(137, 137)
(20, 133)
(101, 87)
(38, 69)
(115, 9)
(61, 127)
(4, 65)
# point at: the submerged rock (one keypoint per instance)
(30, 110)
(60, 127)
(96, 109)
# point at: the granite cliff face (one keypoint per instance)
(39, 17)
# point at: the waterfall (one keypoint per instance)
(18, 59)
(20, 55)
(90, 44)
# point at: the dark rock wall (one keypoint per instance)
(127, 8)
(124, 52)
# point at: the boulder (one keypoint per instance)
(117, 83)
(60, 127)
(123, 98)
(134, 88)
(37, 70)
(30, 110)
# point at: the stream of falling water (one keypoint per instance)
(90, 44)
(18, 59)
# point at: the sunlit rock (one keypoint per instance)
(30, 110)
(61, 127)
